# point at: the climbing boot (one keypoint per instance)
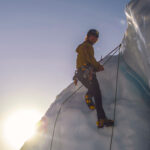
(104, 122)
(100, 123)
(89, 102)
(108, 122)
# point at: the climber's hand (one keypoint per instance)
(75, 82)
(101, 68)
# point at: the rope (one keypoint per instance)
(111, 52)
(112, 133)
(114, 50)
(59, 113)
(110, 57)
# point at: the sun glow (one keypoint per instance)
(20, 126)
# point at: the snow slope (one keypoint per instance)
(74, 126)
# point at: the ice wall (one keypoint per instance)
(136, 51)
(76, 125)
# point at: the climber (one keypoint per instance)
(87, 66)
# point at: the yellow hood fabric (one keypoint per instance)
(85, 55)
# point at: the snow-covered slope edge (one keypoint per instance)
(76, 128)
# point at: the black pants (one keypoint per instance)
(94, 91)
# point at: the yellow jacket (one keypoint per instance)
(86, 55)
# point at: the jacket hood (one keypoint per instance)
(78, 49)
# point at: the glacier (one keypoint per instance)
(69, 125)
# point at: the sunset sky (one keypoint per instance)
(37, 48)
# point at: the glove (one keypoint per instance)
(101, 68)
(75, 82)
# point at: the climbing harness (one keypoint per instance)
(55, 122)
(87, 71)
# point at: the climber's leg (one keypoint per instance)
(95, 91)
(89, 101)
(88, 95)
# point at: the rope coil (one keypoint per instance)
(115, 51)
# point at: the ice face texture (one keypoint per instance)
(136, 41)
(76, 125)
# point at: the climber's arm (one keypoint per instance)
(91, 59)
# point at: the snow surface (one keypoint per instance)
(76, 124)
